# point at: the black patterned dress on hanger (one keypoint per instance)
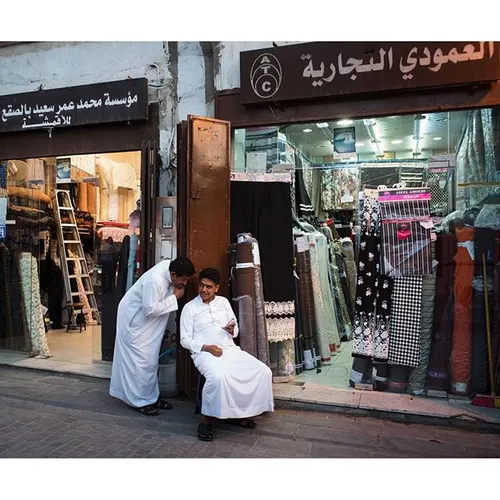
(373, 291)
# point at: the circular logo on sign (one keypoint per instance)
(266, 76)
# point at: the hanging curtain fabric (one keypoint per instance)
(350, 268)
(442, 326)
(462, 325)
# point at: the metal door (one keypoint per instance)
(203, 174)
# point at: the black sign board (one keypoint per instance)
(108, 102)
(327, 69)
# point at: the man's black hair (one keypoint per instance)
(210, 274)
(182, 266)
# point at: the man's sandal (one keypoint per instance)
(246, 423)
(163, 404)
(148, 410)
(205, 432)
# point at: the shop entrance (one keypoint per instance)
(80, 229)
(396, 197)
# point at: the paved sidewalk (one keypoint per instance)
(44, 415)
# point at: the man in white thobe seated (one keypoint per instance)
(140, 327)
(238, 386)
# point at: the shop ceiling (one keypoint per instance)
(438, 132)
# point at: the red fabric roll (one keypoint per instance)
(460, 363)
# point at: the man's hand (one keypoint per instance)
(213, 349)
(179, 292)
(230, 327)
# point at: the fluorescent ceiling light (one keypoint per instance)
(397, 141)
(437, 138)
(322, 125)
(307, 130)
(345, 122)
(359, 144)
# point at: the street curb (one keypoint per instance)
(467, 424)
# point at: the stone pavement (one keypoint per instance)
(46, 415)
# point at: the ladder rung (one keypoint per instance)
(76, 294)
(75, 258)
(79, 276)
(65, 208)
(71, 241)
(64, 224)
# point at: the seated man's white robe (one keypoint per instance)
(237, 384)
(140, 326)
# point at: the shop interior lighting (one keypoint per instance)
(344, 123)
(359, 144)
(437, 138)
(419, 126)
(370, 128)
(306, 130)
(397, 141)
(322, 125)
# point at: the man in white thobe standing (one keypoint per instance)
(140, 327)
(238, 386)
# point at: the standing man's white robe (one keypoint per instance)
(237, 384)
(140, 326)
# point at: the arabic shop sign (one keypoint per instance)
(323, 69)
(109, 102)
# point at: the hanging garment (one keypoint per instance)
(405, 232)
(237, 384)
(442, 326)
(141, 322)
(418, 377)
(346, 305)
(33, 307)
(406, 317)
(373, 291)
(462, 324)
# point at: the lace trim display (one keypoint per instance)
(280, 308)
(280, 329)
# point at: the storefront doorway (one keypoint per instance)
(78, 219)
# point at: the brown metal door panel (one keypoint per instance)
(208, 203)
(203, 169)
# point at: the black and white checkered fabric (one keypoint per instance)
(404, 343)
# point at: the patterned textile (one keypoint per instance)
(305, 209)
(280, 317)
(406, 318)
(373, 292)
(338, 292)
(405, 232)
(33, 305)
(337, 184)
